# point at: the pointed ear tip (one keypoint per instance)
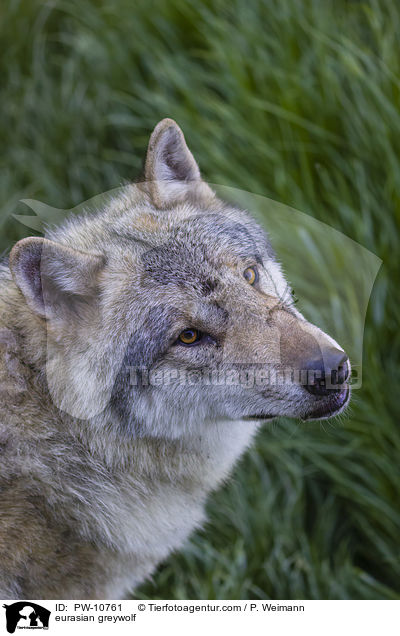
(22, 245)
(163, 125)
(167, 121)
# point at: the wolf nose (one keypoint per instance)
(328, 372)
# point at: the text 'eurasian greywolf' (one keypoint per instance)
(142, 347)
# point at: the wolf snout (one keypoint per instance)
(328, 372)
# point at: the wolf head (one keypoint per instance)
(168, 309)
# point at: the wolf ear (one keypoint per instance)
(55, 280)
(171, 171)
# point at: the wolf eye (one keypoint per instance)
(251, 275)
(189, 336)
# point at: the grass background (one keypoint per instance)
(295, 100)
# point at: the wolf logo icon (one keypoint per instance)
(24, 611)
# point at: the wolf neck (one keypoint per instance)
(198, 461)
(153, 483)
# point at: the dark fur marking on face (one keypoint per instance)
(145, 347)
(209, 285)
(174, 263)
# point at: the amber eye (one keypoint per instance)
(251, 275)
(189, 336)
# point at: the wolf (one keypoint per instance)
(143, 345)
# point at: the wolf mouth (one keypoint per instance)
(260, 416)
(333, 405)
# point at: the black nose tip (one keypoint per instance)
(328, 372)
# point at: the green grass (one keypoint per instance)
(299, 101)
